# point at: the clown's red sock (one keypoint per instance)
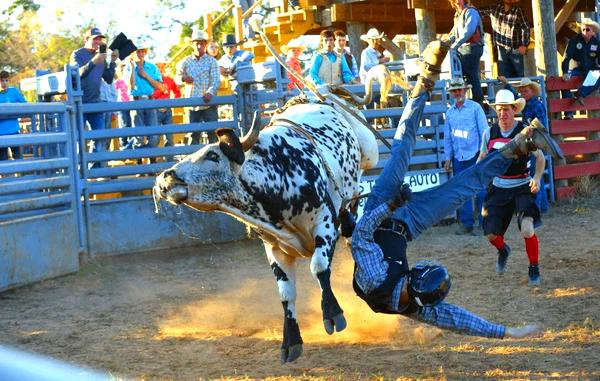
(498, 242)
(532, 248)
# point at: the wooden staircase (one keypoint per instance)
(287, 26)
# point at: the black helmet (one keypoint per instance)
(428, 283)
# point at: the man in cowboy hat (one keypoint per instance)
(233, 57)
(514, 191)
(328, 67)
(463, 130)
(584, 49)
(534, 108)
(370, 55)
(200, 73)
(393, 218)
(145, 80)
(292, 51)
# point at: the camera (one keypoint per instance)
(102, 49)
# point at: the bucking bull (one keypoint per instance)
(288, 181)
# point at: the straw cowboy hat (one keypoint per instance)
(199, 35)
(457, 83)
(293, 44)
(372, 34)
(535, 87)
(506, 97)
(591, 23)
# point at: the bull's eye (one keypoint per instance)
(212, 156)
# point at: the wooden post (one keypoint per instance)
(546, 50)
(490, 47)
(208, 25)
(239, 29)
(426, 31)
(354, 30)
(545, 37)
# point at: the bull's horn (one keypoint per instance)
(252, 136)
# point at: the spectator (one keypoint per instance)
(108, 93)
(510, 31)
(327, 67)
(170, 90)
(468, 43)
(513, 191)
(200, 73)
(213, 49)
(371, 56)
(145, 80)
(245, 5)
(122, 82)
(293, 50)
(341, 48)
(9, 126)
(93, 67)
(464, 127)
(534, 108)
(233, 57)
(583, 49)
(295, 4)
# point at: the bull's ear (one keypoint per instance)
(230, 145)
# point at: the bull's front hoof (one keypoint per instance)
(337, 323)
(291, 353)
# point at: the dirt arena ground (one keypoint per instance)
(213, 313)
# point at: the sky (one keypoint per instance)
(132, 17)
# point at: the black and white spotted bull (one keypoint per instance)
(288, 182)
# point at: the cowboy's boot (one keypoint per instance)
(533, 137)
(431, 66)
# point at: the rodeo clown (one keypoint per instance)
(393, 217)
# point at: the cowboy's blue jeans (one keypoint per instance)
(470, 58)
(429, 206)
(510, 63)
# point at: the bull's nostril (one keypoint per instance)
(170, 173)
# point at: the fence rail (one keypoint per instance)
(580, 138)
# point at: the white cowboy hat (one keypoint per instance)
(506, 97)
(591, 23)
(199, 35)
(293, 44)
(457, 83)
(372, 34)
(535, 87)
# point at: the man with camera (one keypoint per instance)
(93, 67)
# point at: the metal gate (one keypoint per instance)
(41, 221)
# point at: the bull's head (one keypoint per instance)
(207, 179)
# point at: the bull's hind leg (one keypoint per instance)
(284, 269)
(320, 265)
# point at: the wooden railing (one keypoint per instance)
(579, 137)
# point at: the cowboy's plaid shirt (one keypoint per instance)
(510, 29)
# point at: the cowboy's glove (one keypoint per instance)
(404, 195)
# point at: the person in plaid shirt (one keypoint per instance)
(393, 217)
(200, 73)
(511, 36)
